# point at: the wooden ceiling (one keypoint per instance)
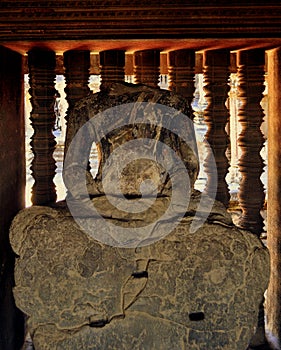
(135, 25)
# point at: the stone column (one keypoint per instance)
(216, 75)
(12, 189)
(147, 67)
(273, 304)
(42, 76)
(250, 115)
(77, 66)
(112, 64)
(181, 69)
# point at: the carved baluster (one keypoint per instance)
(216, 75)
(250, 115)
(147, 67)
(112, 64)
(41, 65)
(77, 66)
(231, 127)
(181, 69)
(129, 68)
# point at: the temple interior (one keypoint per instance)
(223, 58)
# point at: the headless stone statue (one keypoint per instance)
(188, 289)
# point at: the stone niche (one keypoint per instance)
(186, 289)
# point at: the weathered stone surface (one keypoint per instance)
(147, 114)
(188, 290)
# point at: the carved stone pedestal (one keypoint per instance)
(194, 291)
